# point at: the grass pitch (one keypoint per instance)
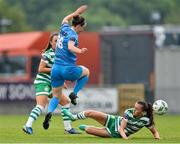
(11, 131)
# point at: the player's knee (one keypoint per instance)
(89, 113)
(64, 101)
(86, 71)
(41, 101)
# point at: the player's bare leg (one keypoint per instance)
(101, 132)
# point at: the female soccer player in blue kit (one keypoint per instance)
(65, 67)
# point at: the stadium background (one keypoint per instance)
(127, 61)
(116, 57)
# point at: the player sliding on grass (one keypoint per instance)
(43, 89)
(65, 67)
(118, 126)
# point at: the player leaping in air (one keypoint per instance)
(65, 67)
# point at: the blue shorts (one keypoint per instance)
(60, 73)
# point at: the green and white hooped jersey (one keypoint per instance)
(48, 58)
(135, 124)
(113, 123)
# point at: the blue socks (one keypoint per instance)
(80, 84)
(53, 104)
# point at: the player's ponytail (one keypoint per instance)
(150, 113)
(148, 110)
(50, 39)
(78, 20)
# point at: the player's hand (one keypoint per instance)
(83, 50)
(80, 10)
(125, 138)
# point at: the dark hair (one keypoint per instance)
(78, 20)
(147, 107)
(50, 39)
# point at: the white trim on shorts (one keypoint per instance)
(106, 124)
(43, 93)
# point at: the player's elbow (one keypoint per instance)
(64, 21)
(70, 46)
(40, 69)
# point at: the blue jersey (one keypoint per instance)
(63, 56)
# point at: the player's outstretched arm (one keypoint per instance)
(155, 133)
(79, 11)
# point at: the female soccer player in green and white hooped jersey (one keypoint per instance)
(43, 89)
(118, 126)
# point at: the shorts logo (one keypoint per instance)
(46, 89)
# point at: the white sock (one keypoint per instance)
(66, 120)
(80, 115)
(35, 113)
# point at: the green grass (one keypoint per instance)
(11, 131)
